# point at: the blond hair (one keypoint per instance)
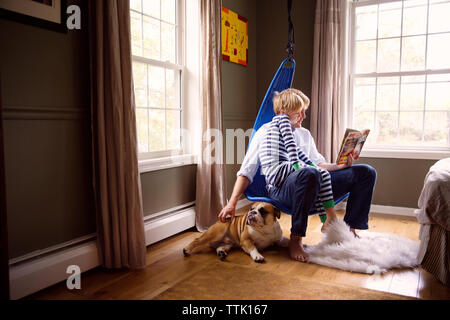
(290, 100)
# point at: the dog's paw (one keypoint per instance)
(260, 260)
(256, 256)
(185, 252)
(221, 254)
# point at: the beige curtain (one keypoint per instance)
(120, 226)
(210, 193)
(327, 119)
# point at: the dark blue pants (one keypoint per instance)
(301, 188)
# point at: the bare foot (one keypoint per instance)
(354, 232)
(296, 249)
(327, 223)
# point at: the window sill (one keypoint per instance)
(156, 164)
(405, 154)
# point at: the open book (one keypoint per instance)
(353, 140)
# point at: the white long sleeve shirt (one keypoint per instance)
(302, 137)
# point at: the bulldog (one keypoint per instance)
(253, 231)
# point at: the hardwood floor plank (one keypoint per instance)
(431, 288)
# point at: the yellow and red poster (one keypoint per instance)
(234, 37)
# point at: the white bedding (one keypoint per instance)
(434, 201)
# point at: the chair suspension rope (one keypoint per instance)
(291, 36)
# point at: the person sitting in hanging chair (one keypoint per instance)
(301, 188)
(280, 156)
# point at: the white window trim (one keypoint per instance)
(379, 151)
(155, 164)
(189, 65)
(404, 154)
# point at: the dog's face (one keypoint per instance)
(262, 214)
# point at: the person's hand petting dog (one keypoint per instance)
(228, 210)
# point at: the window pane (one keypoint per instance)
(152, 8)
(414, 20)
(168, 50)
(413, 53)
(140, 83)
(365, 56)
(364, 94)
(439, 51)
(156, 87)
(157, 130)
(152, 41)
(363, 120)
(390, 19)
(387, 94)
(172, 88)
(168, 10)
(142, 129)
(366, 22)
(437, 128)
(386, 127)
(389, 55)
(439, 18)
(173, 129)
(135, 5)
(410, 131)
(438, 77)
(414, 3)
(412, 94)
(136, 33)
(438, 96)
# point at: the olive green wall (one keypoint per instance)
(45, 87)
(272, 39)
(399, 181)
(168, 188)
(239, 85)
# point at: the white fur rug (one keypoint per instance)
(372, 253)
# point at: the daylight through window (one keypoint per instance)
(400, 72)
(157, 67)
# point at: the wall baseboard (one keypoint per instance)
(388, 210)
(31, 275)
(395, 211)
(375, 208)
(159, 229)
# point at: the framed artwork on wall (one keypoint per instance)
(234, 37)
(49, 14)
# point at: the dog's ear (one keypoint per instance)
(276, 212)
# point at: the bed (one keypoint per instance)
(434, 217)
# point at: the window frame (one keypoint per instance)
(150, 160)
(380, 150)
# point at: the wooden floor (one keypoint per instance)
(166, 266)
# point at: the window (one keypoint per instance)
(156, 29)
(400, 73)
